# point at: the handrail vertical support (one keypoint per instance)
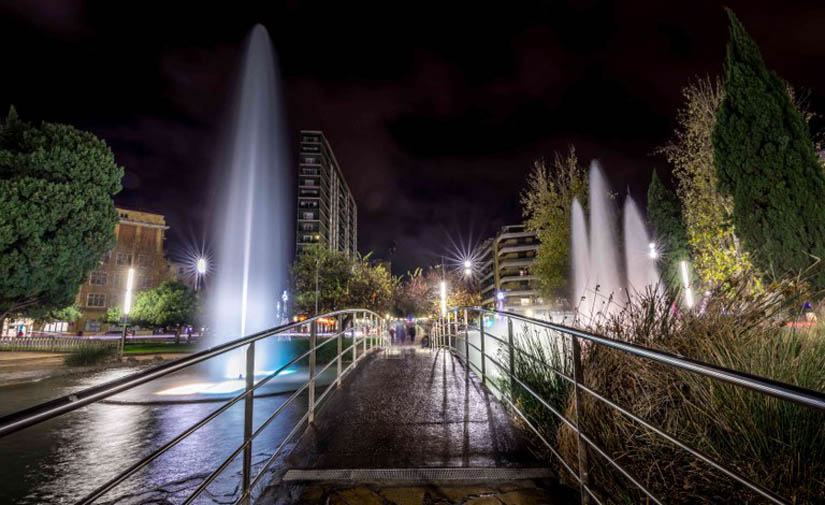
(483, 352)
(578, 376)
(345, 323)
(466, 340)
(247, 416)
(313, 333)
(364, 330)
(511, 352)
(339, 359)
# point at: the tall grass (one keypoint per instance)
(90, 354)
(777, 444)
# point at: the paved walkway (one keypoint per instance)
(412, 408)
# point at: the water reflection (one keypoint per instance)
(64, 459)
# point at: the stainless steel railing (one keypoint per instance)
(447, 334)
(374, 335)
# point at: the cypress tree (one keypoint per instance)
(665, 216)
(765, 160)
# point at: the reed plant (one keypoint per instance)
(775, 443)
(90, 354)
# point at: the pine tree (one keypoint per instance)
(765, 160)
(665, 216)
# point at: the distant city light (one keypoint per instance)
(127, 301)
(653, 253)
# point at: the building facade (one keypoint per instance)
(140, 245)
(506, 281)
(327, 213)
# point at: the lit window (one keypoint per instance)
(95, 300)
(97, 279)
(309, 215)
(525, 301)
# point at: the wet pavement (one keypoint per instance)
(413, 408)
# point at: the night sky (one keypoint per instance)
(435, 112)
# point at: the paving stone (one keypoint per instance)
(404, 495)
(483, 500)
(460, 493)
(526, 497)
(360, 496)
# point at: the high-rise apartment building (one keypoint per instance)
(506, 280)
(327, 213)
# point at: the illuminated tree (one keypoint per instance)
(765, 160)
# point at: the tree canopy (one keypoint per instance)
(343, 282)
(170, 304)
(546, 205)
(765, 160)
(420, 292)
(715, 251)
(57, 216)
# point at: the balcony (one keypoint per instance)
(516, 262)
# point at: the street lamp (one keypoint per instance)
(653, 252)
(127, 306)
(200, 268)
(683, 269)
(468, 268)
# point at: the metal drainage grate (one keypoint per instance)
(417, 474)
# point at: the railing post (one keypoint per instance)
(578, 376)
(313, 333)
(338, 360)
(483, 352)
(354, 340)
(511, 351)
(247, 416)
(466, 340)
(364, 331)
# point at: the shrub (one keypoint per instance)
(90, 354)
(775, 443)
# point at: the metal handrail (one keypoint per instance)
(12, 423)
(788, 392)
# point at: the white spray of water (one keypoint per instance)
(601, 281)
(604, 277)
(580, 252)
(253, 234)
(640, 267)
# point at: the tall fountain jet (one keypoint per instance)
(580, 252)
(604, 276)
(640, 267)
(253, 231)
(602, 282)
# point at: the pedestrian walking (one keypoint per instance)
(401, 332)
(392, 334)
(411, 333)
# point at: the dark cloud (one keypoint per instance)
(436, 112)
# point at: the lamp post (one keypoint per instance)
(683, 270)
(127, 306)
(317, 268)
(200, 272)
(468, 268)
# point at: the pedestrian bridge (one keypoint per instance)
(450, 421)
